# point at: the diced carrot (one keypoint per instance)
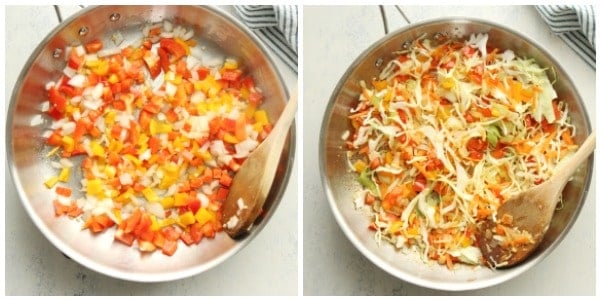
(222, 193)
(225, 179)
(93, 46)
(59, 208)
(186, 237)
(63, 191)
(171, 233)
(125, 238)
(169, 247)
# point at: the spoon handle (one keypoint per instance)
(277, 135)
(568, 166)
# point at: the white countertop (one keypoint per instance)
(33, 266)
(333, 38)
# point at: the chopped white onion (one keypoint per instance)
(59, 123)
(243, 148)
(170, 89)
(49, 85)
(117, 38)
(108, 52)
(191, 62)
(76, 115)
(36, 120)
(68, 128)
(98, 91)
(158, 82)
(77, 81)
(125, 179)
(45, 106)
(63, 200)
(188, 35)
(92, 104)
(80, 50)
(167, 26)
(204, 201)
(75, 100)
(46, 134)
(167, 35)
(146, 30)
(66, 163)
(145, 155)
(69, 72)
(156, 209)
(91, 57)
(197, 97)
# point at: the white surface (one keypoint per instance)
(333, 38)
(35, 267)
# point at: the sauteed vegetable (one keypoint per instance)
(151, 137)
(448, 131)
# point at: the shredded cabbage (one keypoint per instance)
(446, 133)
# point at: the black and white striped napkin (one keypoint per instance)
(276, 26)
(574, 24)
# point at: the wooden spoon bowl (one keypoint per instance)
(252, 182)
(529, 212)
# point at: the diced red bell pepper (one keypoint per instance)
(152, 63)
(173, 48)
(58, 101)
(419, 183)
(164, 59)
(75, 61)
(231, 75)
(93, 46)
(203, 72)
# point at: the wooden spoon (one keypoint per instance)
(531, 211)
(252, 182)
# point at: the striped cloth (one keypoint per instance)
(276, 26)
(574, 24)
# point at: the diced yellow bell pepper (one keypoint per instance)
(150, 195)
(97, 150)
(113, 78)
(115, 146)
(395, 227)
(124, 197)
(110, 171)
(94, 188)
(360, 166)
(379, 84)
(230, 64)
(154, 226)
(205, 155)
(51, 182)
(64, 174)
(166, 222)
(68, 143)
(157, 127)
(109, 117)
(250, 111)
(260, 116)
(187, 218)
(101, 68)
(258, 127)
(133, 159)
(167, 202)
(229, 138)
(180, 199)
(204, 215)
(447, 83)
(117, 213)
